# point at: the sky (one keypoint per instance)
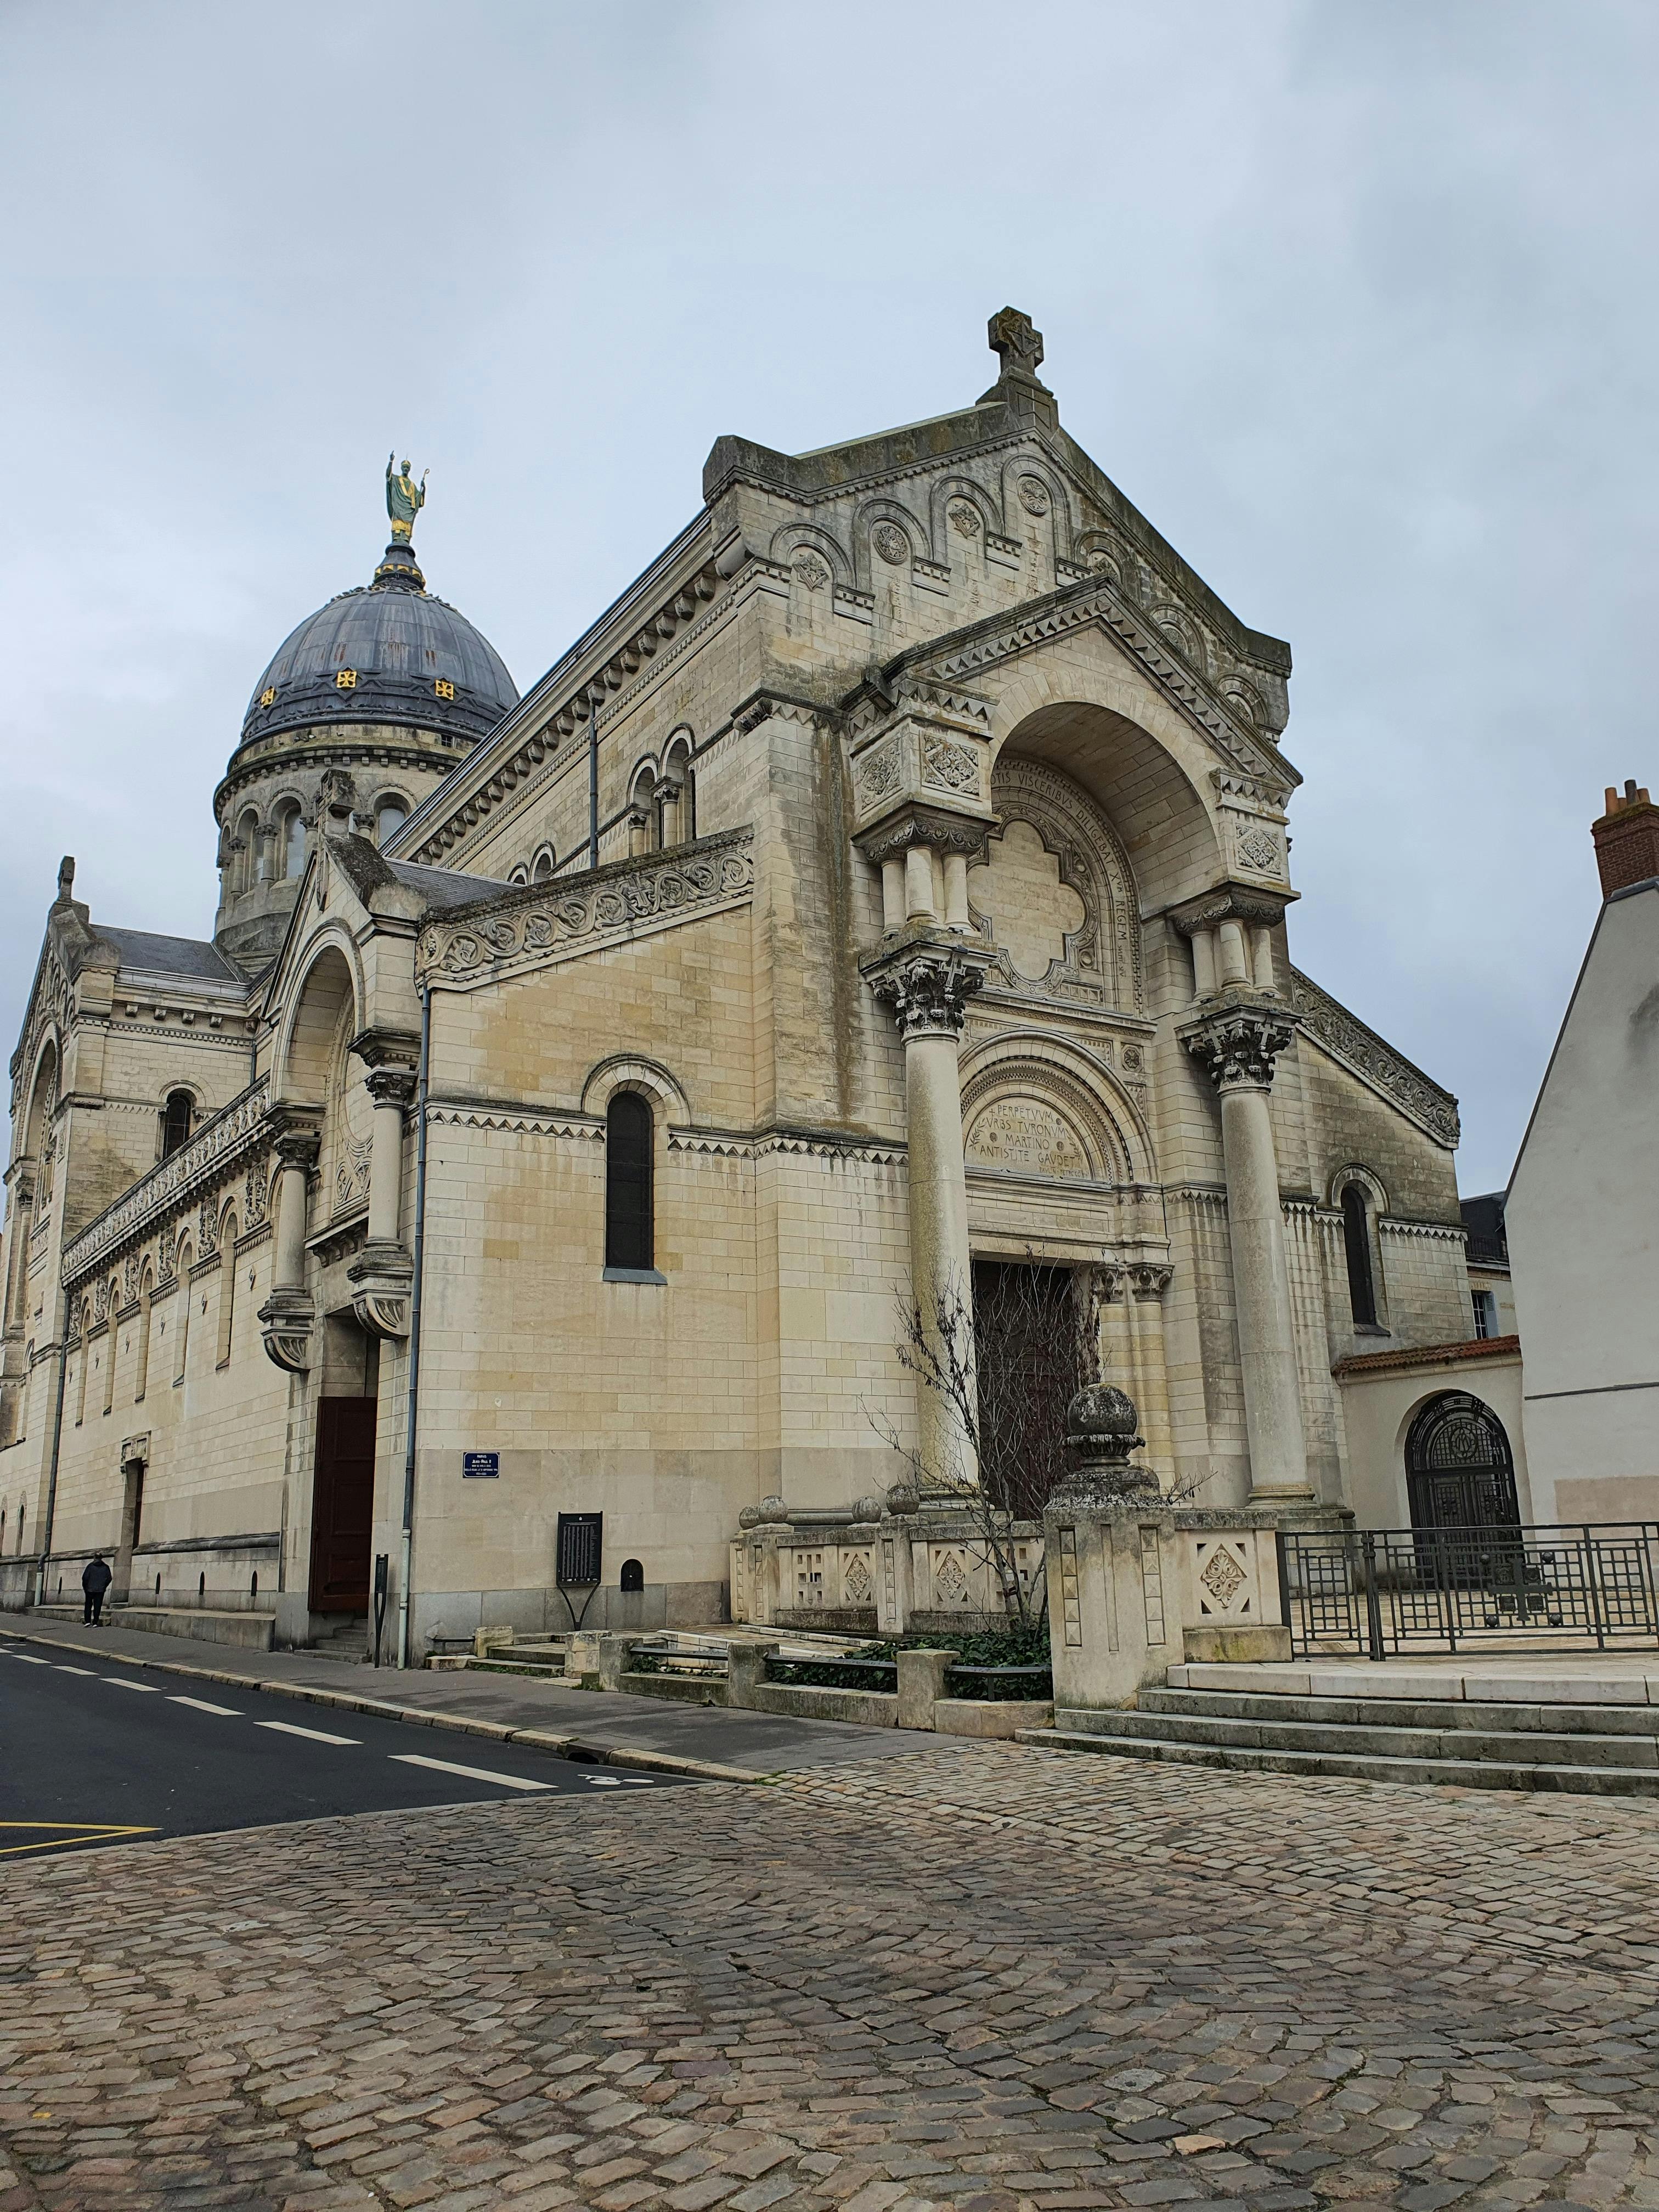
(1356, 303)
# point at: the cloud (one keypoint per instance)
(1352, 301)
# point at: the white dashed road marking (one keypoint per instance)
(120, 1683)
(87, 1671)
(469, 1773)
(29, 1661)
(230, 1713)
(314, 1735)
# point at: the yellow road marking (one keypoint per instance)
(62, 1832)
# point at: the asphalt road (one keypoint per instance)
(95, 1755)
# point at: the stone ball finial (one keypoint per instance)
(903, 1498)
(1101, 1423)
(1102, 1420)
(868, 1509)
(773, 1509)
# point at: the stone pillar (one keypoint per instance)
(668, 801)
(956, 891)
(892, 894)
(383, 1272)
(928, 984)
(1236, 1046)
(392, 1089)
(288, 1314)
(918, 885)
(1146, 1282)
(1203, 963)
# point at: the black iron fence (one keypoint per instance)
(1382, 1591)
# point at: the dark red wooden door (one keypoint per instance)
(343, 1505)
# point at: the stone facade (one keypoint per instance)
(940, 916)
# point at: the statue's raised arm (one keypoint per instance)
(404, 498)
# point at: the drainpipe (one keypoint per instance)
(408, 1547)
(57, 1440)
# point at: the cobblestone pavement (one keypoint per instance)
(982, 1978)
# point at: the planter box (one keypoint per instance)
(993, 1719)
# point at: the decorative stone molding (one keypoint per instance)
(382, 1276)
(1252, 904)
(927, 984)
(540, 925)
(1237, 1045)
(286, 1320)
(1376, 1064)
(916, 824)
(1102, 963)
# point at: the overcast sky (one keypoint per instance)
(1356, 301)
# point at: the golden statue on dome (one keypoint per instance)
(404, 498)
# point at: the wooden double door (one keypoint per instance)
(343, 1505)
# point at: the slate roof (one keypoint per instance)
(446, 887)
(190, 957)
(400, 643)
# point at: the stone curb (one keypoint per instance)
(562, 1747)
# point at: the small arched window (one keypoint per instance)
(177, 1115)
(633, 1575)
(390, 815)
(542, 868)
(293, 844)
(1357, 1242)
(248, 831)
(629, 1146)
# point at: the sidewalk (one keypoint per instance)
(614, 1729)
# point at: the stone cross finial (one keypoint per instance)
(1011, 336)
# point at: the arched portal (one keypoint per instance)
(1460, 1472)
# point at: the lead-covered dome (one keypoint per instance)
(383, 652)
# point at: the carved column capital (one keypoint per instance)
(1237, 1044)
(928, 984)
(296, 1145)
(383, 1048)
(1149, 1279)
(390, 1086)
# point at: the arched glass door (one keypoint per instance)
(1459, 1473)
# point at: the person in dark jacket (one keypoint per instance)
(95, 1579)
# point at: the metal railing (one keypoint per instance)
(1381, 1591)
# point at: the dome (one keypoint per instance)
(383, 652)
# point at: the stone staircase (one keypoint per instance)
(347, 1642)
(1528, 1741)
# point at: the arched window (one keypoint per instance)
(677, 802)
(176, 1118)
(181, 1346)
(391, 814)
(633, 1575)
(247, 860)
(86, 1362)
(227, 1287)
(543, 866)
(146, 1295)
(1357, 1242)
(628, 1147)
(293, 844)
(111, 1345)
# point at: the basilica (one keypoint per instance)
(512, 1206)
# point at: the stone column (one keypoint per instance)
(1236, 1046)
(391, 1089)
(1147, 1282)
(287, 1316)
(669, 802)
(383, 1274)
(928, 984)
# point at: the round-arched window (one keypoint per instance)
(293, 843)
(177, 1116)
(633, 1575)
(391, 814)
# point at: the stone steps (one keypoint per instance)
(1591, 1750)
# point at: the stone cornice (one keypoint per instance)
(539, 924)
(1429, 1355)
(1375, 1061)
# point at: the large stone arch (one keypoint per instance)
(1064, 1082)
(43, 1085)
(329, 981)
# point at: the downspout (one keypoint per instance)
(57, 1440)
(408, 1547)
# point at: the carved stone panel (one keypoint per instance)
(1026, 1136)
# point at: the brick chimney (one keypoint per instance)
(1626, 839)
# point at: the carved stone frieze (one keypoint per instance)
(218, 1147)
(1375, 1061)
(544, 923)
